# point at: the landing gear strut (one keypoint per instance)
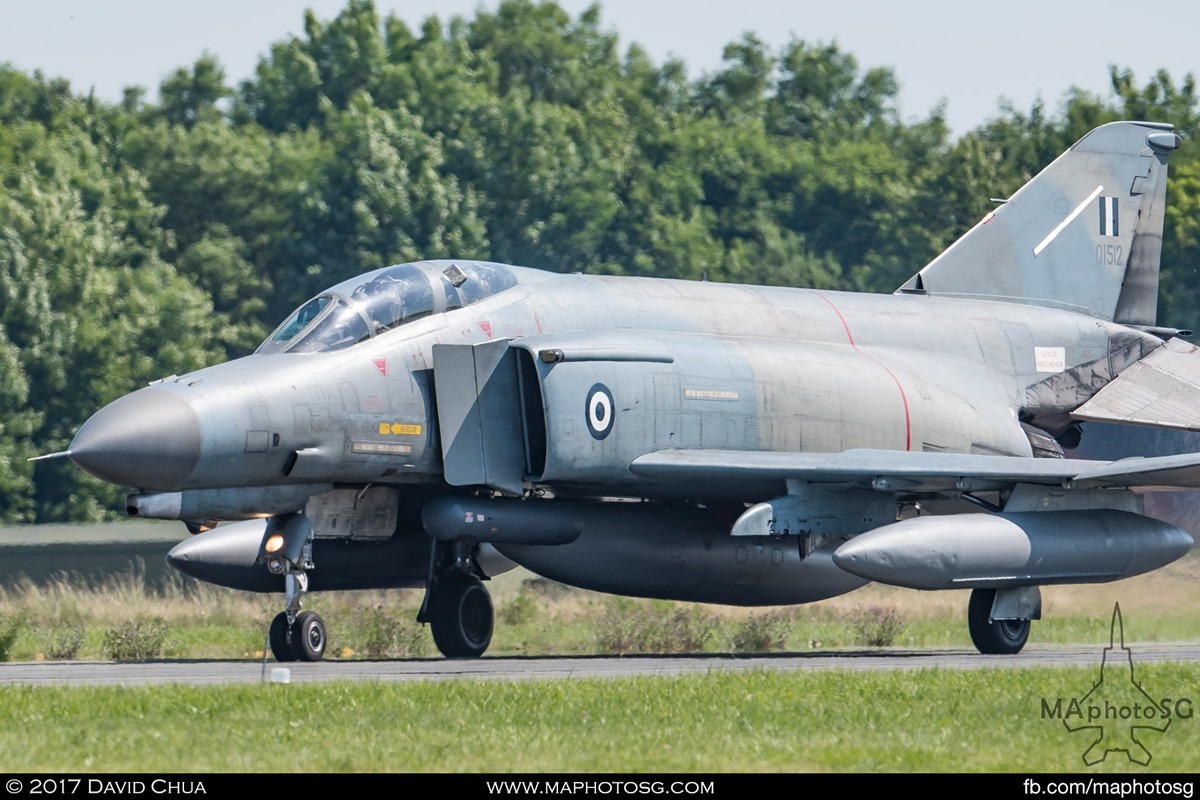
(297, 635)
(294, 635)
(457, 606)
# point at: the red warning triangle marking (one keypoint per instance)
(381, 365)
(486, 327)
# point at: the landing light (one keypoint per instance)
(274, 543)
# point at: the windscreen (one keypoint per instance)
(379, 301)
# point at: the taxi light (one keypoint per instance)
(274, 543)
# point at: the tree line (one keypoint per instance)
(141, 239)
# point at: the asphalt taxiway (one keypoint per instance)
(202, 672)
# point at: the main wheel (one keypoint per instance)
(461, 616)
(308, 636)
(281, 640)
(1001, 637)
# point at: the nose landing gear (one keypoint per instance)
(294, 635)
(302, 638)
(297, 636)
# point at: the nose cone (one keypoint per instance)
(149, 439)
(858, 558)
(226, 556)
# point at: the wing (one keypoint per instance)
(1161, 390)
(897, 470)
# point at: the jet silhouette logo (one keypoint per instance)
(1117, 712)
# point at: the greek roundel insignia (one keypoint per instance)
(599, 411)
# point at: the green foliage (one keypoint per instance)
(61, 641)
(17, 423)
(764, 632)
(626, 627)
(191, 95)
(520, 610)
(377, 631)
(11, 626)
(875, 626)
(137, 639)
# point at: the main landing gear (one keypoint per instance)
(457, 606)
(999, 619)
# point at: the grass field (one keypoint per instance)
(927, 721)
(923, 720)
(535, 617)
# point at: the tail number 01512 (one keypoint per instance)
(1109, 254)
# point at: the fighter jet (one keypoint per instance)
(433, 424)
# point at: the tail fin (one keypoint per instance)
(1085, 234)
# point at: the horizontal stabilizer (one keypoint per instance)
(900, 470)
(1163, 472)
(1162, 390)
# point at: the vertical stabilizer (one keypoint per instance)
(1084, 234)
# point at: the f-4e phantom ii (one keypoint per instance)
(432, 424)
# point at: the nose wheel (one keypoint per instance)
(300, 639)
(460, 615)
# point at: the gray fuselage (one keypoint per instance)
(688, 365)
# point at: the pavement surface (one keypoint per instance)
(196, 672)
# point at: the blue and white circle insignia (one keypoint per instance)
(599, 411)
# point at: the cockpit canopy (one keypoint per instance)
(378, 301)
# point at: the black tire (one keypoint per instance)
(281, 639)
(1002, 637)
(461, 616)
(308, 637)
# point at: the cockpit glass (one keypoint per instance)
(483, 281)
(306, 314)
(394, 295)
(379, 301)
(341, 327)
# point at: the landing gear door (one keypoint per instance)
(478, 407)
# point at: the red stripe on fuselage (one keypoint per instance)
(884, 367)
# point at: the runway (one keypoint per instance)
(195, 672)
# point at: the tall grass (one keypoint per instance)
(126, 596)
(626, 626)
(10, 628)
(68, 617)
(136, 640)
(877, 627)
